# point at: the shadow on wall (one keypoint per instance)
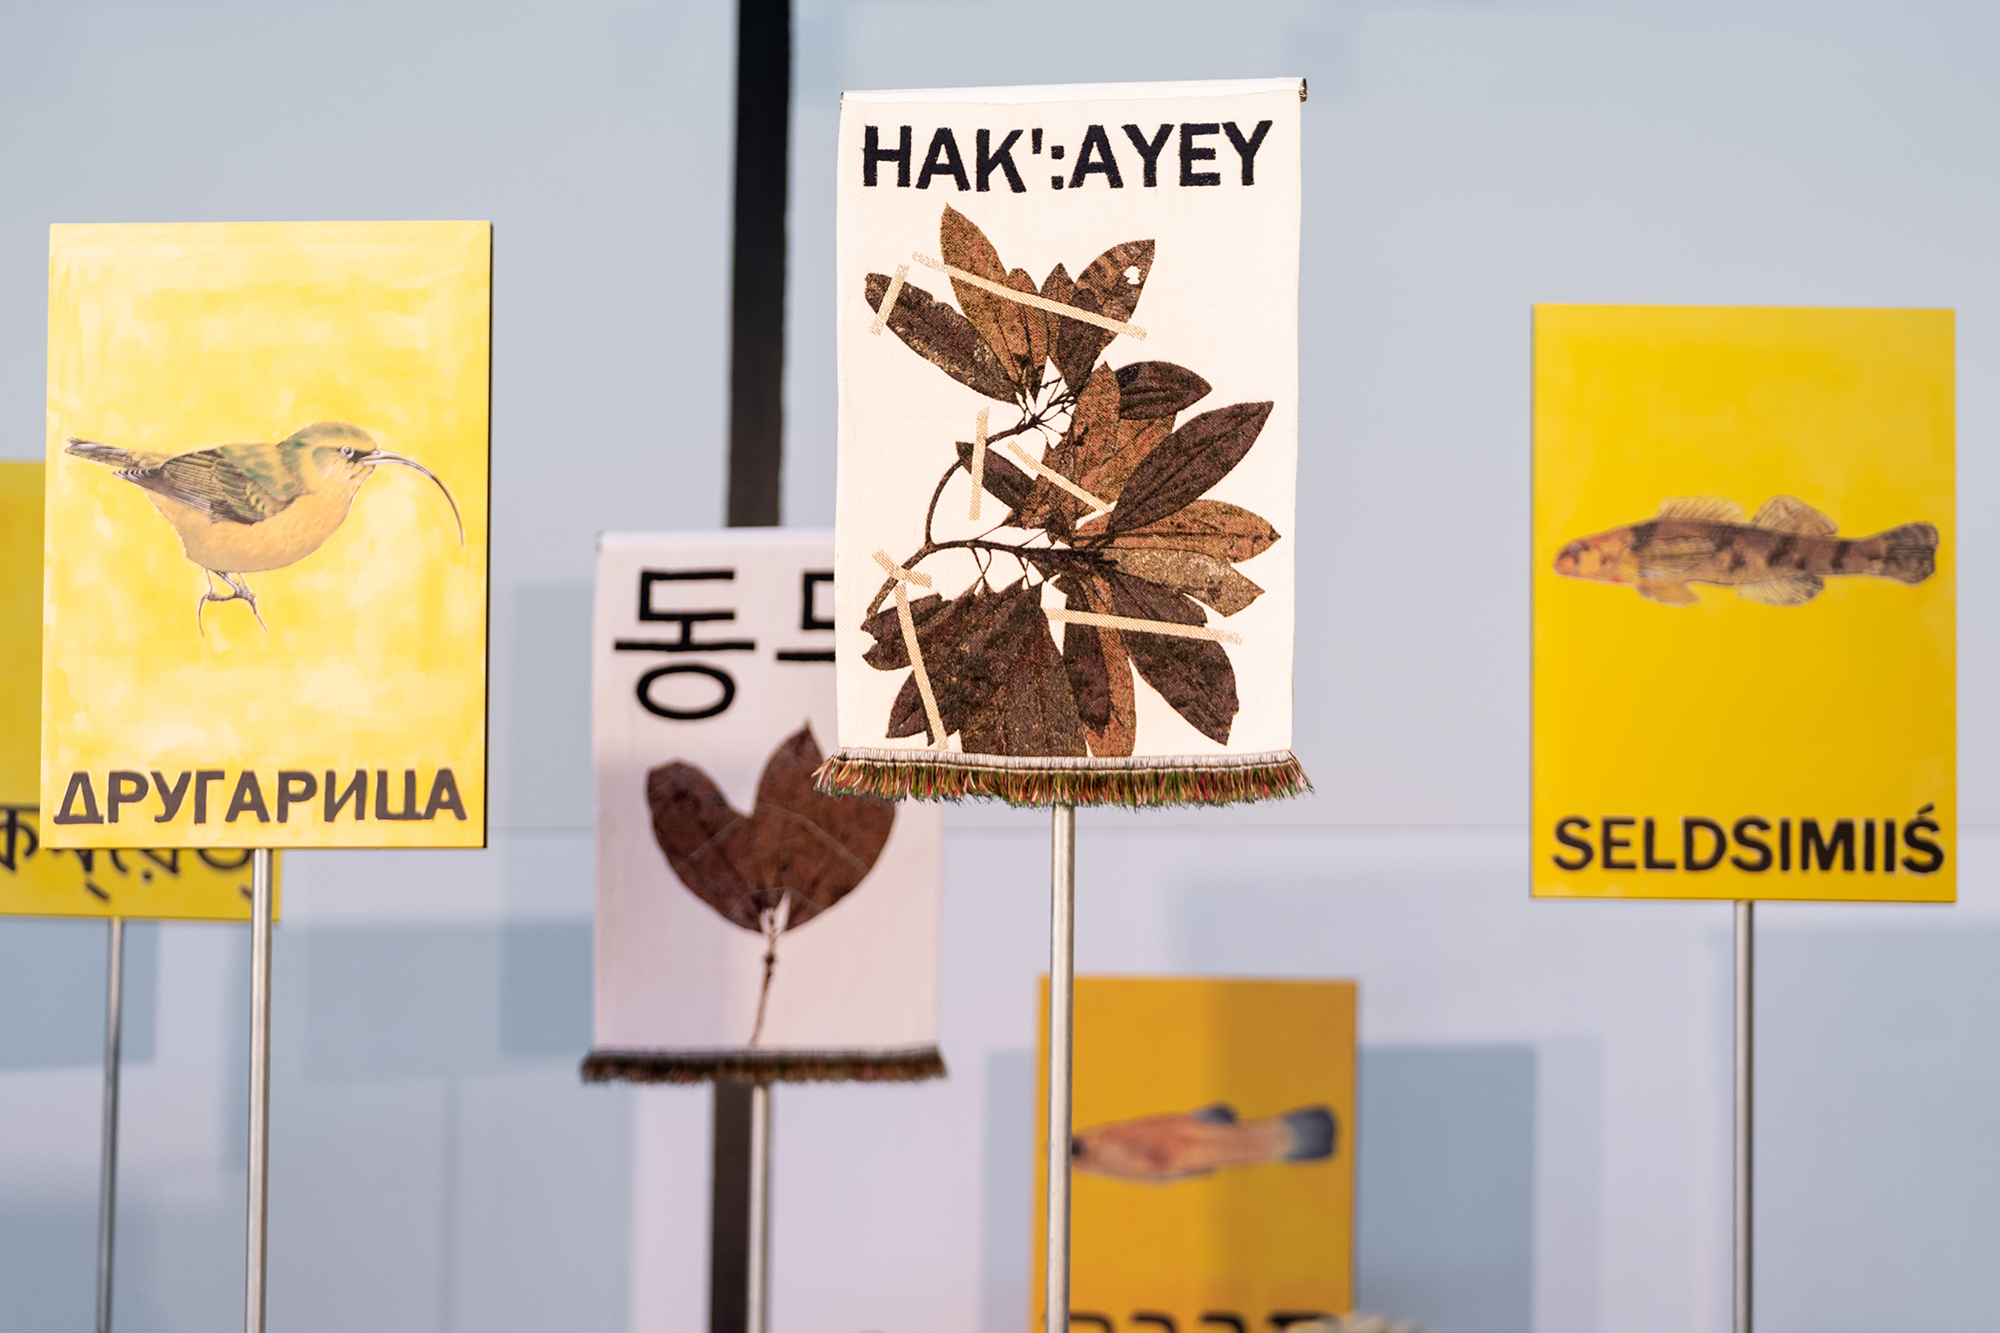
(1878, 1089)
(1445, 1186)
(1444, 1193)
(52, 975)
(444, 1000)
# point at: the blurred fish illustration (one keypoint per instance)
(1172, 1147)
(1780, 556)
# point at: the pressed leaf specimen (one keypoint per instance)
(795, 855)
(1109, 510)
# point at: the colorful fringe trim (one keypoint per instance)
(927, 775)
(764, 1066)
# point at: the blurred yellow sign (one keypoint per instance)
(36, 880)
(266, 585)
(1212, 1161)
(1745, 604)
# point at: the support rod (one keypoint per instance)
(757, 1304)
(107, 1170)
(1062, 996)
(260, 1089)
(1746, 985)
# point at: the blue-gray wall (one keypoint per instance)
(1544, 1122)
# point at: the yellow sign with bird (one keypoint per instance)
(36, 880)
(266, 577)
(1745, 615)
(1212, 1159)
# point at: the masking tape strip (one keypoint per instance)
(896, 571)
(889, 298)
(978, 462)
(917, 662)
(1101, 506)
(1030, 298)
(1144, 626)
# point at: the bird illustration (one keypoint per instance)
(244, 508)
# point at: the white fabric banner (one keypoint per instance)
(746, 924)
(1068, 442)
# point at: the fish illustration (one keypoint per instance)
(1780, 556)
(1172, 1147)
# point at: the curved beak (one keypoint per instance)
(384, 456)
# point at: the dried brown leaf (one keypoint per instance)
(1194, 676)
(1036, 322)
(1090, 441)
(1213, 527)
(819, 848)
(1073, 344)
(1187, 463)
(1002, 323)
(708, 844)
(942, 337)
(1027, 707)
(1199, 576)
(1100, 673)
(1117, 277)
(1148, 389)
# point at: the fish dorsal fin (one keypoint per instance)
(1709, 508)
(1784, 513)
(1219, 1114)
(1794, 591)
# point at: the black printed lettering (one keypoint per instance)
(1653, 862)
(1915, 837)
(444, 796)
(409, 810)
(1718, 844)
(79, 784)
(248, 799)
(1613, 843)
(357, 792)
(1581, 846)
(984, 160)
(1150, 150)
(170, 796)
(653, 706)
(294, 788)
(872, 153)
(123, 788)
(1246, 149)
(1191, 154)
(1095, 157)
(1812, 847)
(943, 160)
(202, 777)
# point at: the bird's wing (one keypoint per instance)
(236, 483)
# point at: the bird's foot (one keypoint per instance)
(239, 591)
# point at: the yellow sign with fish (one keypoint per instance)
(36, 880)
(265, 594)
(1745, 609)
(1212, 1160)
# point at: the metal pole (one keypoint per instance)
(260, 1087)
(1062, 995)
(107, 1182)
(757, 1306)
(1746, 979)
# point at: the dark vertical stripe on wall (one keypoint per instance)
(729, 1211)
(757, 301)
(756, 425)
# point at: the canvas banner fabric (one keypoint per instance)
(38, 880)
(266, 587)
(1068, 324)
(1745, 612)
(747, 925)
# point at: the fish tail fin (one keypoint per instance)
(1909, 553)
(1313, 1133)
(108, 454)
